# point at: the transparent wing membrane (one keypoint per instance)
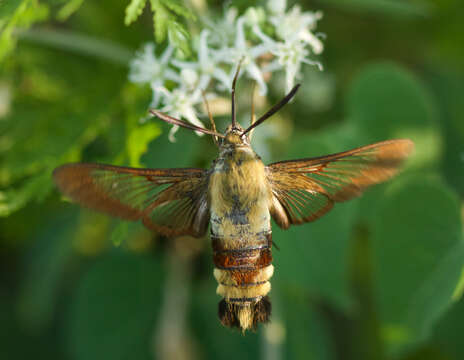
(166, 201)
(307, 188)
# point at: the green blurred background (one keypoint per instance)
(380, 277)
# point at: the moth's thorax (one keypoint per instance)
(239, 192)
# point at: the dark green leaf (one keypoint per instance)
(385, 7)
(313, 257)
(182, 153)
(306, 334)
(228, 344)
(115, 308)
(386, 102)
(44, 270)
(447, 334)
(418, 258)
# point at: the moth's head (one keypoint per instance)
(234, 136)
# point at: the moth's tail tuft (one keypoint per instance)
(245, 316)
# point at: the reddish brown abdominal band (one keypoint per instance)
(244, 265)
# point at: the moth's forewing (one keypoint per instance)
(306, 189)
(169, 201)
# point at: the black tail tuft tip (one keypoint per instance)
(263, 310)
(229, 313)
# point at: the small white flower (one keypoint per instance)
(180, 103)
(147, 68)
(289, 55)
(207, 65)
(277, 6)
(189, 78)
(221, 48)
(255, 16)
(247, 54)
(298, 25)
(223, 31)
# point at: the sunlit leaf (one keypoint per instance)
(179, 36)
(68, 9)
(138, 140)
(134, 10)
(178, 8)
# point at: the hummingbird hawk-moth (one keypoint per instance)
(236, 197)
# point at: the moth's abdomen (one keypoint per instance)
(243, 269)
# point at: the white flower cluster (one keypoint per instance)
(264, 40)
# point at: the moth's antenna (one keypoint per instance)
(174, 121)
(211, 119)
(253, 115)
(234, 82)
(274, 109)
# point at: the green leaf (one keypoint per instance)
(306, 331)
(7, 8)
(448, 88)
(161, 18)
(44, 269)
(68, 9)
(418, 255)
(37, 187)
(178, 36)
(165, 14)
(122, 231)
(119, 233)
(182, 153)
(447, 334)
(459, 290)
(178, 8)
(386, 101)
(115, 307)
(314, 257)
(394, 8)
(68, 113)
(134, 10)
(137, 141)
(205, 326)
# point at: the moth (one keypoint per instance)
(236, 198)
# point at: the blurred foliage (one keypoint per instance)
(380, 277)
(165, 14)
